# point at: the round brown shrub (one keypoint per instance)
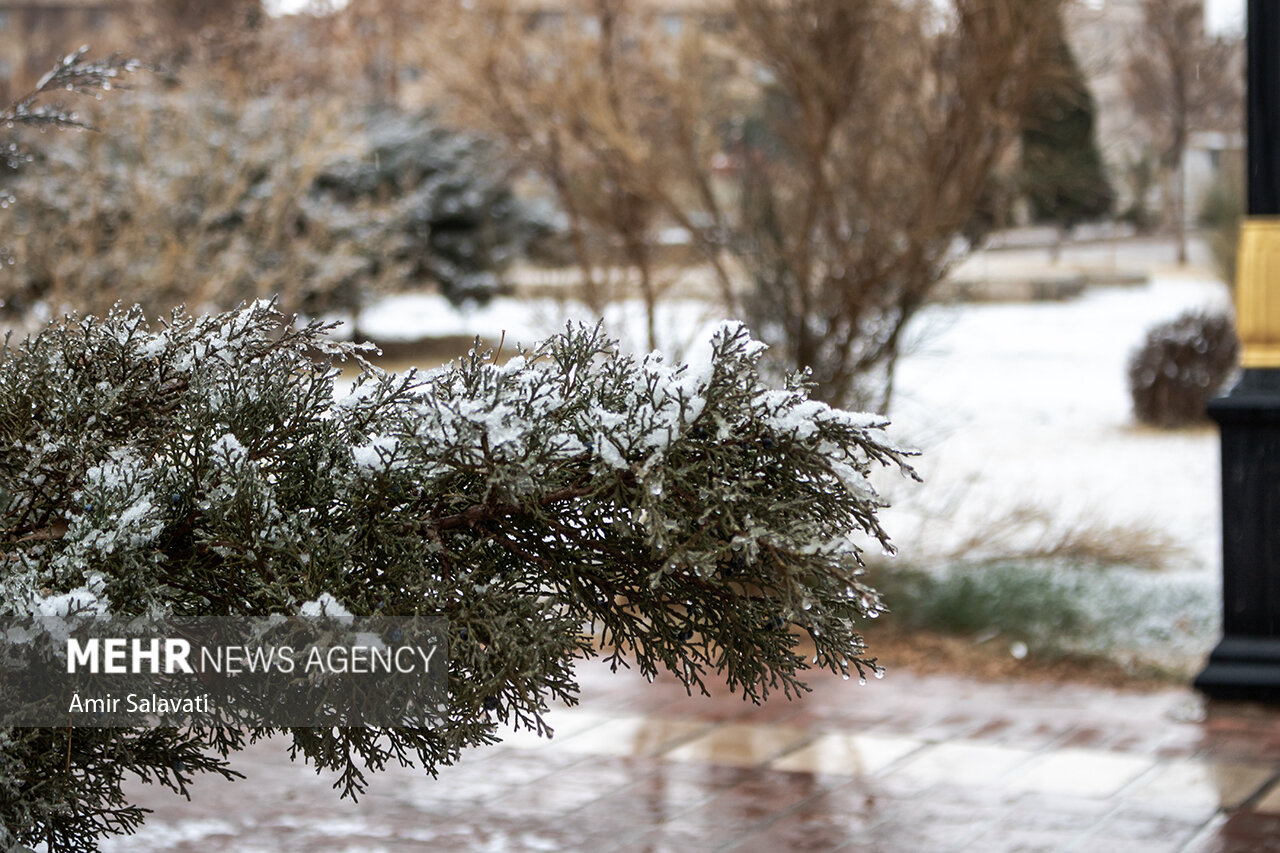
(1182, 364)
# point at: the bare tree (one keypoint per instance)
(1182, 79)
(578, 95)
(823, 156)
(882, 124)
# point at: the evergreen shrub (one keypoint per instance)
(1181, 366)
(568, 502)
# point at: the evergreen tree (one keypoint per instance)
(688, 518)
(1063, 176)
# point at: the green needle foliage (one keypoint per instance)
(1063, 175)
(570, 501)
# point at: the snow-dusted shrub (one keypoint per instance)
(193, 197)
(571, 499)
(1180, 367)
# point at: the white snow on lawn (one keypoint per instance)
(413, 316)
(1017, 405)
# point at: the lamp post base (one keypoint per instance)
(1246, 663)
(1242, 668)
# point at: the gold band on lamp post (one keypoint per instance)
(1258, 292)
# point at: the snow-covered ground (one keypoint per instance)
(411, 317)
(1019, 406)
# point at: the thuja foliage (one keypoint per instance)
(568, 502)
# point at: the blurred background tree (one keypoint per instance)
(247, 171)
(1062, 174)
(813, 168)
(1221, 211)
(1181, 79)
(197, 198)
(822, 158)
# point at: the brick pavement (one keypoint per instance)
(932, 764)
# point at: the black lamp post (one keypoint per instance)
(1246, 663)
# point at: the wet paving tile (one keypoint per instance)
(961, 763)
(740, 745)
(912, 764)
(849, 754)
(671, 791)
(682, 838)
(693, 779)
(634, 735)
(738, 812)
(1245, 832)
(1080, 773)
(1017, 840)
(855, 815)
(1190, 783)
(1269, 802)
(800, 836)
(602, 773)
(1032, 821)
(552, 797)
(1136, 824)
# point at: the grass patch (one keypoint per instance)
(1030, 532)
(1053, 609)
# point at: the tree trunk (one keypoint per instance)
(1180, 208)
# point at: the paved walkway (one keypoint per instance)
(905, 764)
